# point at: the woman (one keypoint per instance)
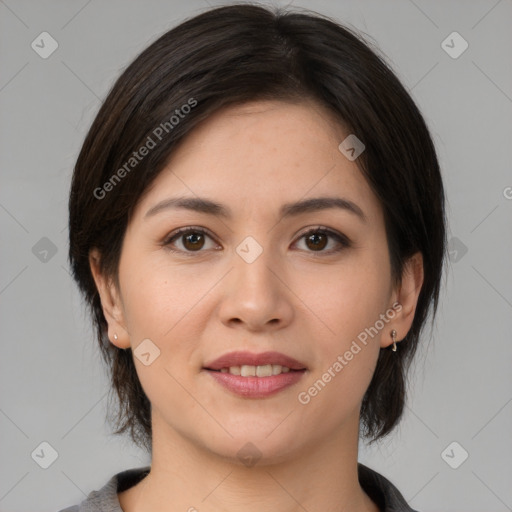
(257, 224)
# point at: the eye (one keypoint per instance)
(191, 238)
(317, 238)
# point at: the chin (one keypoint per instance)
(252, 447)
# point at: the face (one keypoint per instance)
(309, 283)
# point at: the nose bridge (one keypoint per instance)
(254, 261)
(255, 295)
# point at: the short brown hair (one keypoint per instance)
(235, 54)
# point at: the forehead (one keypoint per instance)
(268, 152)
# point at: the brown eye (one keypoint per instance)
(316, 241)
(193, 241)
(188, 240)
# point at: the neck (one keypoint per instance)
(188, 477)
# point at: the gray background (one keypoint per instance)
(53, 386)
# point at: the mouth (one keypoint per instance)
(266, 370)
(255, 375)
(250, 365)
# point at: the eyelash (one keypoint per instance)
(341, 239)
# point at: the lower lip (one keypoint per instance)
(256, 387)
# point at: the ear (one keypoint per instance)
(110, 302)
(407, 297)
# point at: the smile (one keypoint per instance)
(256, 371)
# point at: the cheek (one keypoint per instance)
(346, 298)
(349, 302)
(335, 395)
(345, 357)
(157, 296)
(159, 306)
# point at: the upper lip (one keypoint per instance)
(240, 358)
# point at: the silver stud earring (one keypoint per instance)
(115, 336)
(393, 335)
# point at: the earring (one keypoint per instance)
(393, 335)
(115, 336)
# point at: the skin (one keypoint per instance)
(294, 298)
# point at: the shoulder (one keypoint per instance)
(106, 499)
(382, 491)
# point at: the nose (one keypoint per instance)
(256, 295)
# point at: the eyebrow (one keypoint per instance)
(203, 205)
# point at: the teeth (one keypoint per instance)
(266, 370)
(248, 371)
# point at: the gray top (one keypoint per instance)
(381, 491)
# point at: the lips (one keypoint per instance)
(241, 358)
(247, 375)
